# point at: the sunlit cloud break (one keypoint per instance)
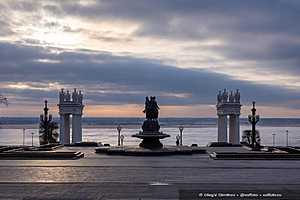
(183, 52)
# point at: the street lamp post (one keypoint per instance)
(274, 139)
(32, 138)
(181, 130)
(119, 128)
(24, 136)
(287, 138)
(122, 139)
(253, 119)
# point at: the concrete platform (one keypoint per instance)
(41, 155)
(244, 153)
(101, 176)
(138, 151)
(254, 156)
(37, 153)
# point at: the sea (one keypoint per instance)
(201, 131)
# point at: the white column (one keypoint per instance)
(234, 129)
(67, 129)
(231, 129)
(222, 128)
(237, 130)
(76, 128)
(61, 129)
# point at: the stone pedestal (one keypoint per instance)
(151, 143)
(150, 135)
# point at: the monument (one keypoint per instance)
(70, 105)
(47, 128)
(151, 134)
(228, 104)
(253, 119)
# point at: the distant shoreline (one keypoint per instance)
(129, 126)
(135, 123)
(36, 126)
(87, 126)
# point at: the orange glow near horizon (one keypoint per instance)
(125, 110)
(135, 110)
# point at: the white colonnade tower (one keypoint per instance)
(228, 104)
(70, 105)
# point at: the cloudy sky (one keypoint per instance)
(182, 51)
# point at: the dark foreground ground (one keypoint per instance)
(126, 177)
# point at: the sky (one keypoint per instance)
(119, 51)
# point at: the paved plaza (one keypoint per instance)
(100, 176)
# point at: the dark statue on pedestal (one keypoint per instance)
(150, 133)
(48, 128)
(151, 110)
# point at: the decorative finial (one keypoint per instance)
(46, 108)
(253, 107)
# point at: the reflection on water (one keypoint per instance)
(200, 136)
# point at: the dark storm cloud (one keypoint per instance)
(265, 31)
(229, 16)
(132, 78)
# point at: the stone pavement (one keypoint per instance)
(128, 177)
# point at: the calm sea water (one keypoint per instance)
(197, 130)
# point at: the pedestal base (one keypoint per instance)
(151, 139)
(151, 143)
